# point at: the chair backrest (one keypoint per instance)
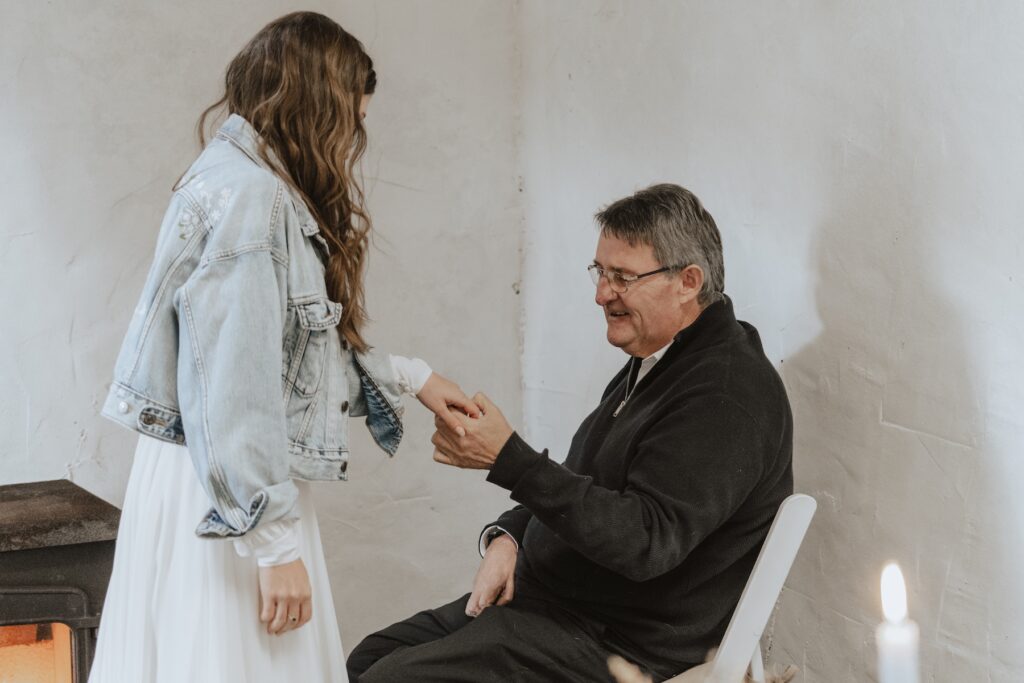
(743, 636)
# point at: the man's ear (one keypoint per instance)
(690, 280)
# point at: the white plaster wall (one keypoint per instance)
(99, 104)
(864, 162)
(862, 159)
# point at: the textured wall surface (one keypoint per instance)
(864, 162)
(99, 104)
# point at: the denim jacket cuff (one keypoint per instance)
(383, 398)
(274, 503)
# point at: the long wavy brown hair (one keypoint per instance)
(299, 83)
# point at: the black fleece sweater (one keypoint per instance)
(651, 527)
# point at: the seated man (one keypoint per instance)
(641, 542)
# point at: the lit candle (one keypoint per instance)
(897, 636)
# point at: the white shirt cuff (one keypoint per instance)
(271, 544)
(412, 373)
(487, 532)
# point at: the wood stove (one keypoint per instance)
(56, 554)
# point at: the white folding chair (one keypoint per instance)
(741, 646)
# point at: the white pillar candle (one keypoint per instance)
(897, 637)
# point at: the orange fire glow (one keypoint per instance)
(35, 653)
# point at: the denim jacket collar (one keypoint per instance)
(242, 135)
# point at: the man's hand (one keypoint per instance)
(495, 579)
(481, 439)
(624, 672)
(440, 395)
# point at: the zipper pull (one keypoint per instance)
(619, 409)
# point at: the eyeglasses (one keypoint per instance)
(617, 280)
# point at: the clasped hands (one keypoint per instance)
(470, 432)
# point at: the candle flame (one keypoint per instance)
(894, 593)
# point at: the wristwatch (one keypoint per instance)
(493, 534)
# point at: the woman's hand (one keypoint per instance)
(285, 597)
(480, 442)
(440, 395)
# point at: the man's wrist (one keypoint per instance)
(493, 533)
(512, 462)
(503, 540)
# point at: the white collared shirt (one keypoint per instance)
(647, 363)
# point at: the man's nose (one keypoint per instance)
(604, 293)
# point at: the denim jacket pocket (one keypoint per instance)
(306, 343)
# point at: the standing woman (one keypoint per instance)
(241, 366)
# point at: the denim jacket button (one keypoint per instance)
(122, 407)
(344, 406)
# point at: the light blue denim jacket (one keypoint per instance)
(234, 347)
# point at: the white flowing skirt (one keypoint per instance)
(183, 608)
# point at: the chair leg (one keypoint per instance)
(757, 666)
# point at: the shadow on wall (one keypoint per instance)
(888, 429)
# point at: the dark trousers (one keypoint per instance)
(528, 640)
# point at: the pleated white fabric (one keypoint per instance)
(183, 608)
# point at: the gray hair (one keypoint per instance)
(676, 225)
